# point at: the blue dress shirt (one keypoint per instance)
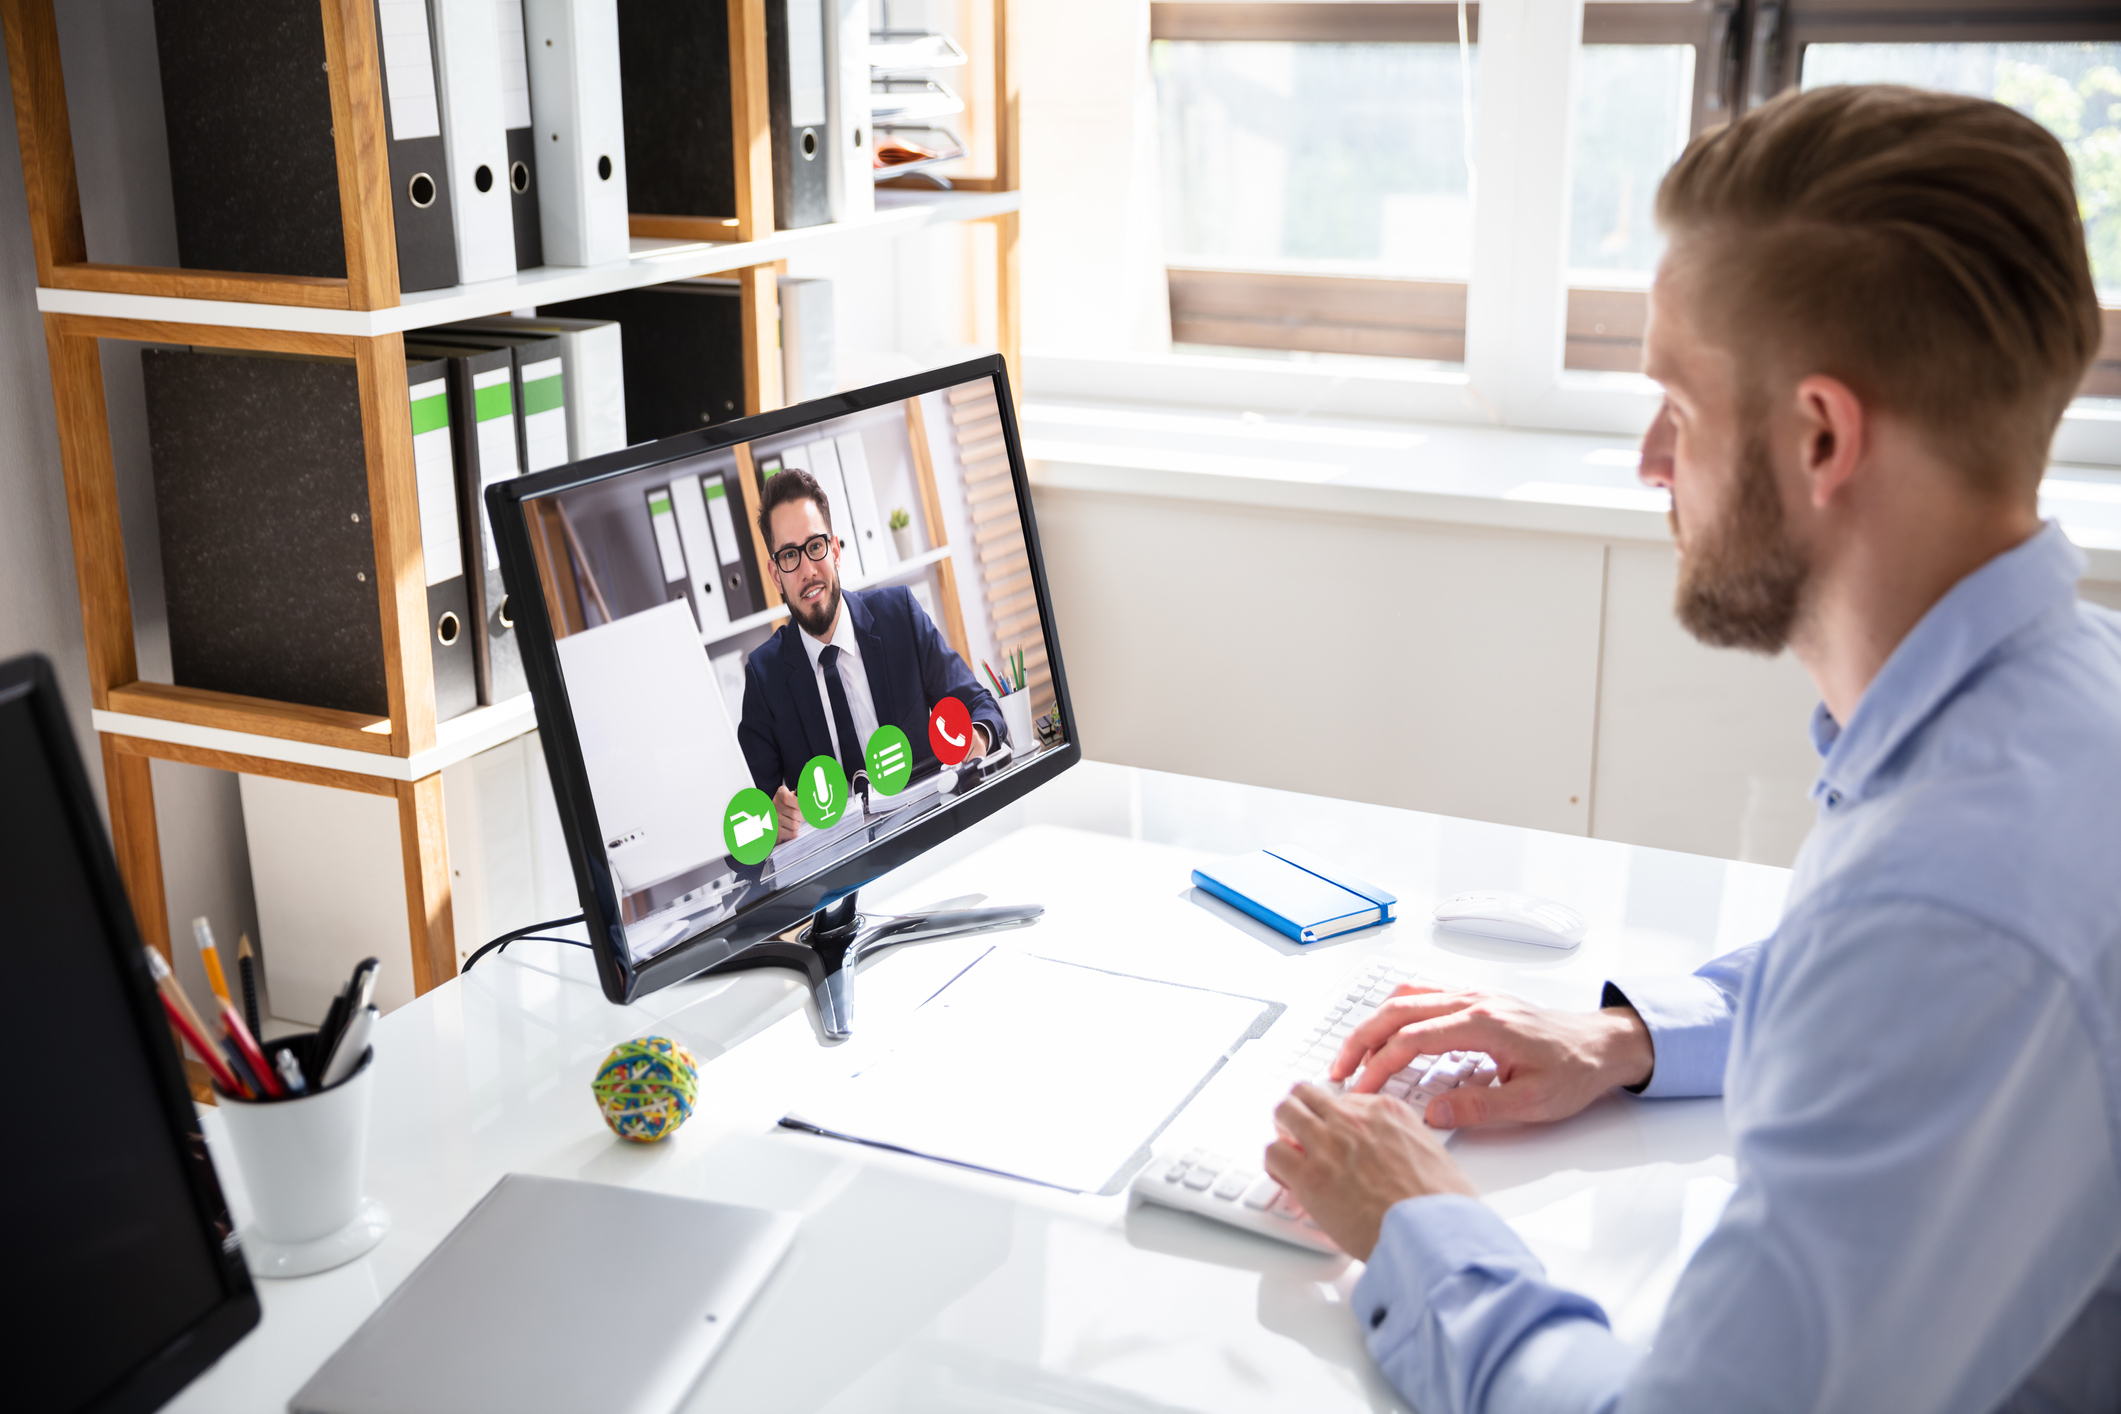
(1921, 1069)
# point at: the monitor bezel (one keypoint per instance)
(624, 979)
(157, 1379)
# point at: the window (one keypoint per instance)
(1317, 196)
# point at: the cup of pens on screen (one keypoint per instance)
(1015, 702)
(295, 1110)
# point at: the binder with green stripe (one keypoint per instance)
(486, 444)
(434, 465)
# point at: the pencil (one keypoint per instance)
(247, 970)
(253, 1056)
(999, 690)
(203, 933)
(194, 1030)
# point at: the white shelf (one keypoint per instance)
(906, 569)
(652, 262)
(455, 740)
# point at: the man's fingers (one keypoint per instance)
(1283, 1162)
(1468, 1030)
(1395, 1013)
(1472, 1105)
(1298, 1115)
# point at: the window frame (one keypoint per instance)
(1535, 354)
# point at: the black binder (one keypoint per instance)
(449, 621)
(254, 174)
(268, 560)
(683, 346)
(522, 138)
(419, 162)
(796, 85)
(674, 78)
(539, 382)
(481, 459)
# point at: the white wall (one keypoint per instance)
(114, 105)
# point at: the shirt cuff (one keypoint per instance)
(1690, 1028)
(1423, 1242)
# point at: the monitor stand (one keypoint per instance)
(836, 937)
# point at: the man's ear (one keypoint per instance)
(1832, 430)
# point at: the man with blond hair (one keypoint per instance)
(1873, 310)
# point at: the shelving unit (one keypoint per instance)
(364, 317)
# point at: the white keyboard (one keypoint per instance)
(1236, 1190)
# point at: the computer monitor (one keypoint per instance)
(730, 766)
(126, 1278)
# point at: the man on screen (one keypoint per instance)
(1874, 309)
(845, 663)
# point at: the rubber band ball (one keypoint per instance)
(646, 1088)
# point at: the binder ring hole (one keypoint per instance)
(502, 614)
(447, 629)
(809, 144)
(519, 177)
(483, 178)
(421, 190)
(604, 168)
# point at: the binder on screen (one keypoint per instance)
(468, 47)
(663, 524)
(879, 555)
(796, 104)
(702, 570)
(576, 110)
(732, 543)
(520, 134)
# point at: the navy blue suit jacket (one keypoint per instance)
(910, 668)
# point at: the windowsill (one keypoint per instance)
(1486, 477)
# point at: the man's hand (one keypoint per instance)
(785, 813)
(980, 746)
(1551, 1063)
(1349, 1158)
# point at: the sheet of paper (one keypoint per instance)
(1039, 1069)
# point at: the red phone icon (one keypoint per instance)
(949, 731)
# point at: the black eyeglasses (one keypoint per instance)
(789, 557)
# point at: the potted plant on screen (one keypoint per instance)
(902, 532)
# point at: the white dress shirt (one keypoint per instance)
(854, 677)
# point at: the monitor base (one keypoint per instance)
(827, 947)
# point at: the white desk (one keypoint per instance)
(915, 1286)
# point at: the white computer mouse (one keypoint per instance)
(1521, 918)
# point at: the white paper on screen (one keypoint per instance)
(1039, 1069)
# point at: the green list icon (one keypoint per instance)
(821, 792)
(747, 825)
(889, 760)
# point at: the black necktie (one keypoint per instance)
(842, 714)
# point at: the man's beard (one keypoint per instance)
(1741, 583)
(821, 624)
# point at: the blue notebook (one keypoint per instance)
(1297, 894)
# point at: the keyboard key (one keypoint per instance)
(1200, 1176)
(1262, 1194)
(1484, 1073)
(1178, 1167)
(1286, 1206)
(1234, 1182)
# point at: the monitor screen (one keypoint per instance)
(776, 657)
(126, 1274)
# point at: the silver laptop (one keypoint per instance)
(556, 1297)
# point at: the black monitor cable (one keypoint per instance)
(531, 934)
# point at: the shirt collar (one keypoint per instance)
(842, 634)
(1951, 641)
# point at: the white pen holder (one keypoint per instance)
(1016, 715)
(302, 1161)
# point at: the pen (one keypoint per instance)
(291, 1072)
(347, 1054)
(247, 970)
(247, 1046)
(203, 933)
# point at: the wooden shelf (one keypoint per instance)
(654, 260)
(216, 730)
